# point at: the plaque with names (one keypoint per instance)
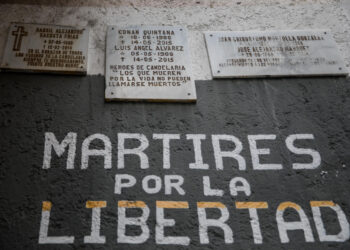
(234, 54)
(148, 63)
(46, 48)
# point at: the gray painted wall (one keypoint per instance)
(31, 105)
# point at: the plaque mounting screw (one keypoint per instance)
(211, 34)
(340, 68)
(180, 29)
(218, 71)
(112, 93)
(325, 33)
(188, 93)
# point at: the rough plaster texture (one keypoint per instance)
(197, 16)
(31, 105)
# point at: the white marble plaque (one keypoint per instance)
(46, 48)
(149, 63)
(235, 54)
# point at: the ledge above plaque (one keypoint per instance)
(46, 48)
(234, 54)
(148, 63)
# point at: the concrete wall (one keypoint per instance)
(197, 16)
(31, 106)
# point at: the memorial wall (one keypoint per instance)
(193, 137)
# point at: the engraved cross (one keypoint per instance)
(19, 34)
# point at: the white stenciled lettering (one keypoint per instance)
(106, 152)
(162, 223)
(208, 191)
(316, 157)
(166, 146)
(255, 152)
(147, 187)
(197, 138)
(234, 188)
(95, 237)
(140, 221)
(344, 233)
(285, 226)
(122, 151)
(205, 223)
(254, 218)
(123, 181)
(44, 228)
(51, 142)
(235, 153)
(174, 182)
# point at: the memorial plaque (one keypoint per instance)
(149, 63)
(46, 48)
(273, 53)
